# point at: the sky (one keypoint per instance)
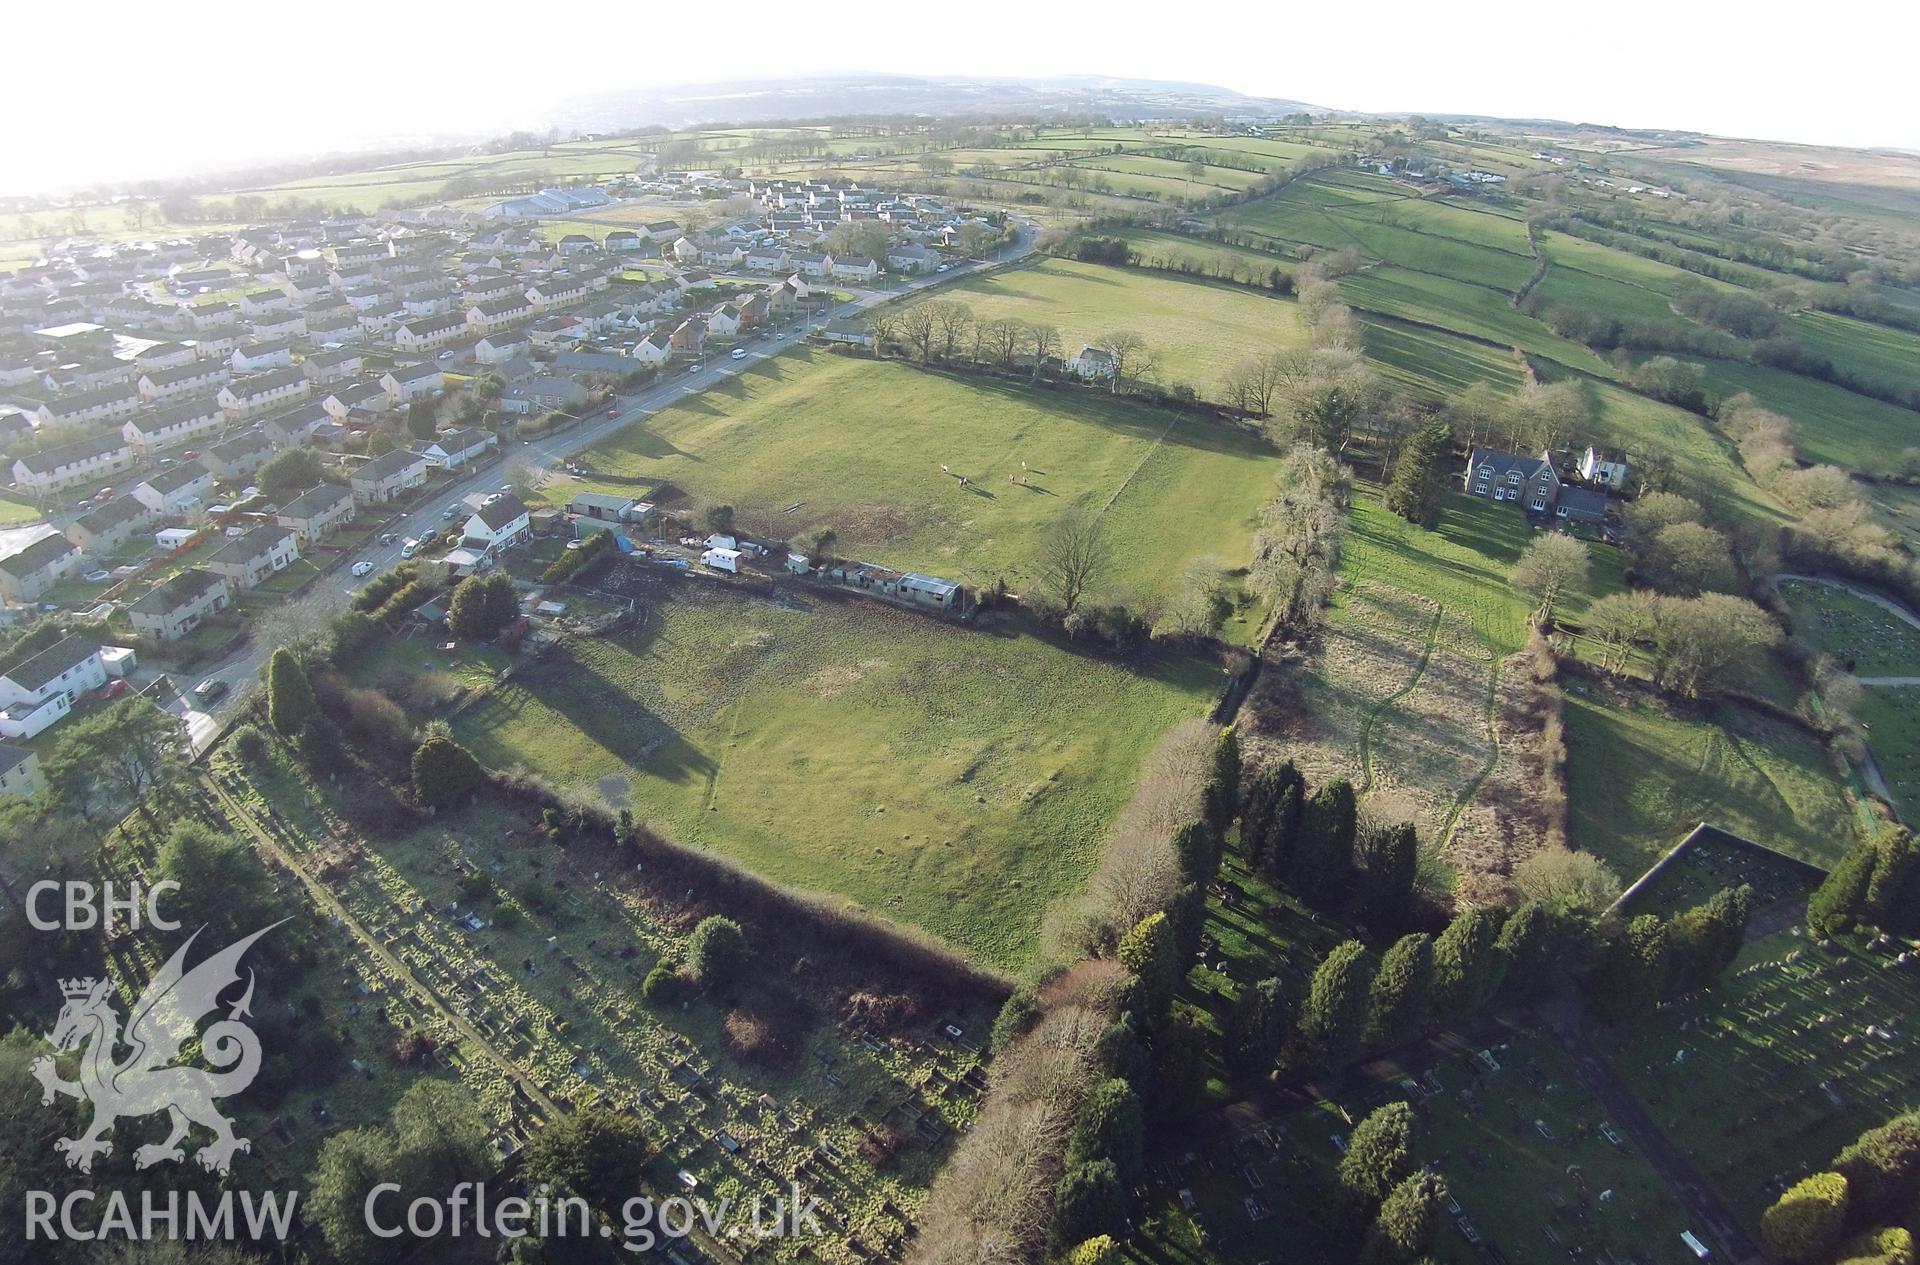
(146, 90)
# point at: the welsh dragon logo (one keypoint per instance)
(146, 1081)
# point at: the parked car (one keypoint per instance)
(613, 412)
(693, 368)
(103, 495)
(114, 689)
(408, 549)
(739, 353)
(943, 267)
(210, 691)
(188, 455)
(362, 567)
(452, 512)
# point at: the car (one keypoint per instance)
(362, 567)
(114, 689)
(693, 368)
(613, 412)
(189, 455)
(408, 549)
(103, 495)
(97, 577)
(450, 513)
(506, 489)
(739, 353)
(386, 538)
(943, 267)
(446, 355)
(86, 504)
(576, 544)
(210, 691)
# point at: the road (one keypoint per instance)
(243, 667)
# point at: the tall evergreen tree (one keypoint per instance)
(1704, 940)
(1397, 1002)
(1111, 1126)
(1335, 1015)
(1090, 1201)
(1279, 855)
(289, 695)
(1467, 965)
(1323, 851)
(1193, 844)
(1882, 1168)
(1419, 476)
(1841, 898)
(1393, 864)
(1406, 1222)
(1257, 1027)
(1148, 950)
(1896, 869)
(1805, 1223)
(1633, 970)
(1256, 813)
(1220, 793)
(1528, 947)
(1379, 1153)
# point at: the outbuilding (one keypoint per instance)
(727, 560)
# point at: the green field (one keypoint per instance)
(1198, 330)
(858, 444)
(1641, 778)
(1461, 564)
(1784, 1027)
(959, 779)
(1467, 309)
(1833, 425)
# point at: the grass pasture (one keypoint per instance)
(1641, 777)
(1891, 716)
(1832, 424)
(1785, 1027)
(958, 779)
(1197, 329)
(857, 444)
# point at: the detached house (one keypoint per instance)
(36, 694)
(34, 568)
(316, 513)
(858, 268)
(459, 447)
(251, 558)
(498, 348)
(500, 523)
(264, 392)
(1506, 476)
(388, 477)
(169, 611)
(175, 490)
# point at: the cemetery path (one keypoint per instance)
(1563, 1021)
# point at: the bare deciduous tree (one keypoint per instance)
(1043, 344)
(1552, 564)
(1132, 359)
(918, 328)
(1076, 556)
(951, 320)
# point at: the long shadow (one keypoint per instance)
(1117, 413)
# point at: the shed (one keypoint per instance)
(174, 537)
(727, 560)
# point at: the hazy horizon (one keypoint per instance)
(147, 101)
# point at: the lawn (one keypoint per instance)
(1468, 309)
(1874, 353)
(1461, 564)
(1640, 778)
(17, 510)
(1198, 330)
(813, 439)
(1787, 1027)
(1434, 364)
(959, 779)
(1515, 1130)
(1865, 637)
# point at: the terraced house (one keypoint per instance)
(203, 376)
(236, 458)
(107, 404)
(428, 333)
(388, 477)
(169, 611)
(173, 425)
(263, 393)
(86, 462)
(405, 383)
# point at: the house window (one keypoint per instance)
(1562, 511)
(1539, 503)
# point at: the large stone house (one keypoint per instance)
(1507, 476)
